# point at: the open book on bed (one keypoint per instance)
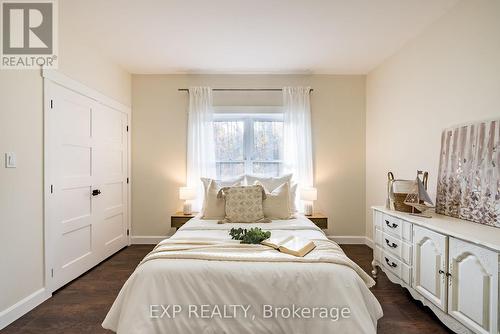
(291, 245)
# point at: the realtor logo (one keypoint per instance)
(29, 34)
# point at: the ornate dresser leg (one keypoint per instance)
(374, 270)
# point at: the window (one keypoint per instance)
(248, 143)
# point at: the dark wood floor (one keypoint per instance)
(81, 306)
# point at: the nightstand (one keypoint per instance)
(319, 219)
(178, 219)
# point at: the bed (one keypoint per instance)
(200, 281)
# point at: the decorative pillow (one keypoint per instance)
(213, 207)
(243, 204)
(292, 196)
(277, 203)
(269, 183)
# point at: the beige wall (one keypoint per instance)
(159, 123)
(21, 131)
(450, 74)
(79, 61)
(21, 195)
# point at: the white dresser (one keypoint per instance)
(450, 265)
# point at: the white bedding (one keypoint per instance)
(203, 293)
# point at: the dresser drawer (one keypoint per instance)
(396, 267)
(397, 227)
(392, 225)
(396, 247)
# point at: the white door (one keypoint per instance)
(430, 265)
(86, 167)
(110, 166)
(473, 286)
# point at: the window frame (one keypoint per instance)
(249, 115)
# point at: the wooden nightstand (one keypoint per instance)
(319, 219)
(178, 219)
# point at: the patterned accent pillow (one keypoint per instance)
(243, 204)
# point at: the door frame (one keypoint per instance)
(51, 78)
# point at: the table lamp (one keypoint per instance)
(187, 194)
(308, 195)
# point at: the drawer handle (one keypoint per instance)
(390, 244)
(393, 225)
(392, 264)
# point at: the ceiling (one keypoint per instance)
(252, 36)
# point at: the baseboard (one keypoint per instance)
(147, 239)
(351, 240)
(22, 307)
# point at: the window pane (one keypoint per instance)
(267, 168)
(227, 170)
(268, 140)
(229, 140)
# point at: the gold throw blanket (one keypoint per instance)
(326, 251)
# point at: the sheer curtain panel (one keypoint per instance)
(297, 143)
(201, 148)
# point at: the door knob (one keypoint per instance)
(96, 192)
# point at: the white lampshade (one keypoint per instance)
(187, 193)
(308, 194)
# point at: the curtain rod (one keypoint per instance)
(242, 89)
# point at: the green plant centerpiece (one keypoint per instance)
(252, 236)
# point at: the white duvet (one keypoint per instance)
(217, 295)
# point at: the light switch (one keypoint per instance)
(10, 160)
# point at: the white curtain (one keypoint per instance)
(201, 147)
(297, 141)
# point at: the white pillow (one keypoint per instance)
(223, 183)
(213, 207)
(276, 205)
(269, 183)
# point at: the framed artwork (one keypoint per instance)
(469, 173)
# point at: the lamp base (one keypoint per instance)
(308, 209)
(187, 208)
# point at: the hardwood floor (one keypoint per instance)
(81, 306)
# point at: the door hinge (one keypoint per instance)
(127, 128)
(51, 188)
(127, 180)
(128, 232)
(52, 272)
(51, 104)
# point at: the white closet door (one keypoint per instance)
(87, 209)
(110, 167)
